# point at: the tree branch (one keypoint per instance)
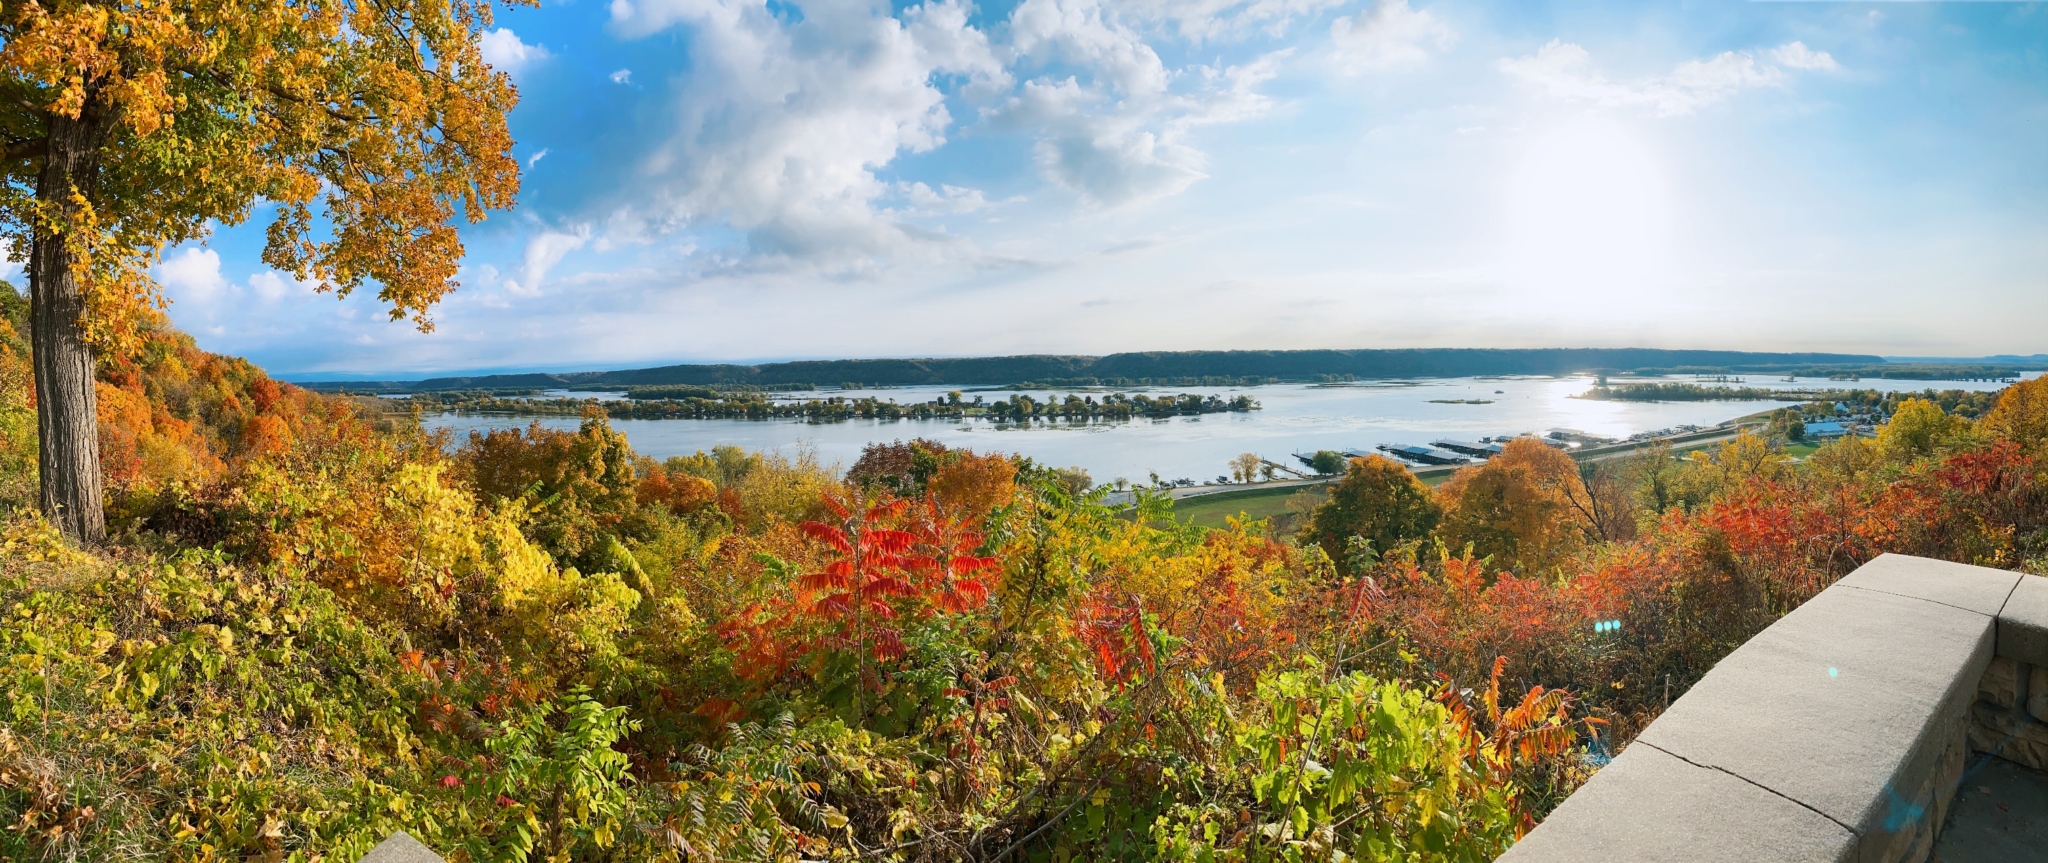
(28, 149)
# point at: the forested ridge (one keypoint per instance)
(315, 624)
(1163, 367)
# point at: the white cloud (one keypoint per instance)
(779, 126)
(1206, 20)
(1119, 136)
(1079, 32)
(1795, 55)
(271, 286)
(1389, 34)
(924, 200)
(1564, 70)
(542, 254)
(1230, 93)
(945, 42)
(781, 122)
(193, 275)
(1088, 146)
(537, 156)
(503, 50)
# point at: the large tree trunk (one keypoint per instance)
(67, 410)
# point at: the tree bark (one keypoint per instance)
(67, 409)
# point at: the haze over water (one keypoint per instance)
(1293, 418)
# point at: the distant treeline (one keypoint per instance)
(1114, 406)
(1161, 366)
(1183, 381)
(1665, 392)
(1967, 403)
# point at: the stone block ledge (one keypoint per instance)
(1839, 733)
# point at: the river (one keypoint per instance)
(1294, 418)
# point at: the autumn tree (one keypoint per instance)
(1706, 475)
(581, 487)
(1378, 500)
(1918, 428)
(1245, 467)
(2022, 415)
(971, 484)
(1517, 507)
(1787, 425)
(133, 126)
(1603, 501)
(900, 468)
(1074, 480)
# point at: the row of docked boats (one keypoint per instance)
(1456, 452)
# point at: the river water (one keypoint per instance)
(1295, 418)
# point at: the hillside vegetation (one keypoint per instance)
(315, 627)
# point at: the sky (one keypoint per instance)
(723, 181)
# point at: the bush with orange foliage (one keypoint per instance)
(1516, 508)
(580, 487)
(1377, 501)
(885, 559)
(961, 480)
(678, 492)
(971, 484)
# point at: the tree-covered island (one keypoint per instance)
(713, 404)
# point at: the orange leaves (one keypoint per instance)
(1378, 500)
(1114, 633)
(1516, 508)
(679, 492)
(940, 557)
(263, 435)
(828, 534)
(265, 393)
(886, 545)
(1974, 507)
(837, 575)
(1535, 736)
(971, 485)
(887, 560)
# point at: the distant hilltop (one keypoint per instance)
(1197, 365)
(1181, 367)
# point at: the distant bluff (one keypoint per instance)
(1159, 365)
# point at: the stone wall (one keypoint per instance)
(1837, 734)
(2010, 718)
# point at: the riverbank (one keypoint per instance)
(1213, 505)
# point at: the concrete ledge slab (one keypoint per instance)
(1648, 807)
(1845, 705)
(2023, 623)
(1838, 733)
(1979, 589)
(401, 848)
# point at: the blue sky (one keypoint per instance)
(732, 181)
